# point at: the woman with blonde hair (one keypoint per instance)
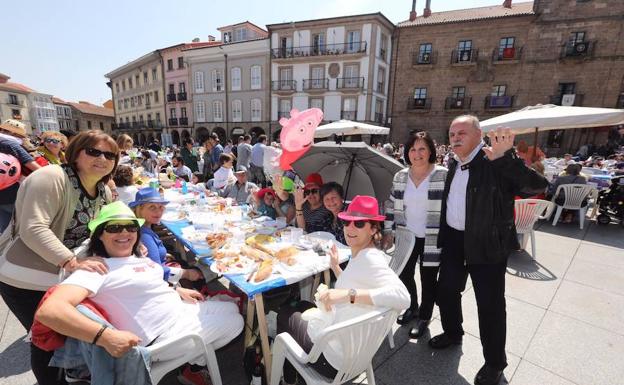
(52, 145)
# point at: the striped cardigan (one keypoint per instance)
(394, 209)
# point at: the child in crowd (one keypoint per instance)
(224, 175)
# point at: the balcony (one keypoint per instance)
(464, 56)
(424, 58)
(578, 49)
(348, 115)
(15, 102)
(173, 122)
(148, 105)
(181, 96)
(506, 55)
(567, 100)
(498, 102)
(284, 86)
(379, 118)
(150, 124)
(350, 83)
(355, 47)
(311, 85)
(183, 121)
(171, 97)
(457, 103)
(421, 104)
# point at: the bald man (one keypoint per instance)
(477, 233)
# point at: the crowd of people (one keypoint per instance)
(78, 208)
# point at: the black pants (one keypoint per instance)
(488, 282)
(428, 280)
(23, 304)
(289, 320)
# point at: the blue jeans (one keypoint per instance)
(6, 211)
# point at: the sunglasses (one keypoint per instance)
(52, 140)
(94, 152)
(359, 224)
(116, 229)
(310, 191)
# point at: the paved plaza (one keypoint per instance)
(565, 321)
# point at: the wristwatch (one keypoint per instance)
(352, 294)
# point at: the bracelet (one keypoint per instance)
(99, 334)
(299, 210)
(66, 262)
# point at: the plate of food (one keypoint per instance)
(233, 265)
(217, 239)
(260, 239)
(174, 215)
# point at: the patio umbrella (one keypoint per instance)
(544, 117)
(348, 127)
(359, 168)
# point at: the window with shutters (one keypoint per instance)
(217, 81)
(237, 111)
(256, 110)
(200, 112)
(217, 111)
(199, 82)
(236, 79)
(256, 77)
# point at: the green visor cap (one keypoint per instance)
(116, 211)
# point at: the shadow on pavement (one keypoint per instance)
(522, 265)
(15, 359)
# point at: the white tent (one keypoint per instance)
(551, 117)
(348, 127)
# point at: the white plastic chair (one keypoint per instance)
(404, 242)
(527, 212)
(359, 339)
(575, 194)
(171, 354)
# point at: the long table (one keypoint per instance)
(254, 291)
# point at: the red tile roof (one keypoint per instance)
(56, 100)
(471, 14)
(92, 109)
(16, 87)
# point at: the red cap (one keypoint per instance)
(314, 178)
(262, 192)
(362, 208)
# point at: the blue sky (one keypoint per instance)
(64, 47)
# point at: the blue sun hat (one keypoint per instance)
(147, 195)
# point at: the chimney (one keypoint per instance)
(4, 78)
(211, 38)
(427, 11)
(412, 16)
(507, 3)
(196, 40)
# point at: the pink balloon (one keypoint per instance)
(297, 134)
(10, 170)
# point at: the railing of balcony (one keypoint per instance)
(578, 49)
(567, 100)
(183, 121)
(315, 84)
(348, 115)
(506, 54)
(464, 56)
(171, 97)
(496, 102)
(319, 50)
(181, 96)
(173, 121)
(284, 85)
(348, 83)
(379, 118)
(455, 103)
(424, 58)
(419, 104)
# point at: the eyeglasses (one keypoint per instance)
(52, 140)
(116, 229)
(94, 152)
(310, 191)
(359, 224)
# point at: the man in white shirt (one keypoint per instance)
(257, 161)
(477, 234)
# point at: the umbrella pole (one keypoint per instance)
(349, 178)
(534, 145)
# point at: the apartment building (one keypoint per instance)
(14, 103)
(87, 116)
(546, 51)
(42, 113)
(340, 65)
(64, 114)
(230, 84)
(139, 97)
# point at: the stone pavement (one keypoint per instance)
(565, 322)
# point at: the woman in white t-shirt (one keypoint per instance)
(224, 175)
(367, 283)
(143, 308)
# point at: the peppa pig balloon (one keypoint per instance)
(298, 134)
(10, 170)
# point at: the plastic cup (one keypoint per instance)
(295, 235)
(280, 222)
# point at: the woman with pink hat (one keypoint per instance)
(366, 283)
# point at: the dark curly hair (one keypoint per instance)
(123, 176)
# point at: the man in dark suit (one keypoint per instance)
(477, 233)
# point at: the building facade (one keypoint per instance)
(547, 51)
(89, 116)
(64, 114)
(230, 84)
(42, 113)
(340, 65)
(139, 98)
(14, 103)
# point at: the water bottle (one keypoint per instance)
(202, 199)
(184, 188)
